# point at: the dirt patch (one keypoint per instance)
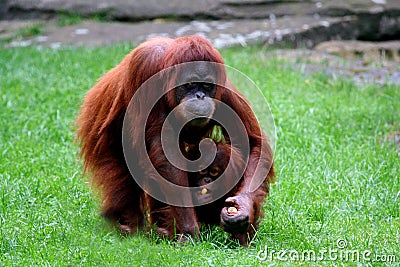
(393, 139)
(368, 51)
(355, 68)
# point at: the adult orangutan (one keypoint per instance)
(192, 97)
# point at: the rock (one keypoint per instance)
(293, 23)
(3, 8)
(116, 9)
(217, 9)
(296, 31)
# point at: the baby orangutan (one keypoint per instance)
(208, 175)
(209, 213)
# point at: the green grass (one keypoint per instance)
(336, 179)
(68, 19)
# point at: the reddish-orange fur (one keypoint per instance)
(100, 126)
(226, 155)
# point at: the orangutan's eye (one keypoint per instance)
(214, 171)
(203, 172)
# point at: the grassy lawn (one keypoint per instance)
(338, 184)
